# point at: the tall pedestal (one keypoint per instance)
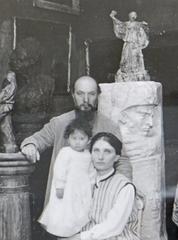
(136, 108)
(15, 219)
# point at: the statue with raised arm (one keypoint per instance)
(7, 100)
(134, 35)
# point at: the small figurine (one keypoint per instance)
(7, 100)
(134, 35)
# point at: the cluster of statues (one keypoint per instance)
(35, 91)
(134, 104)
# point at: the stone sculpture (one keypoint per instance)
(136, 107)
(134, 35)
(35, 89)
(7, 100)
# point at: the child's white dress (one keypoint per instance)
(74, 172)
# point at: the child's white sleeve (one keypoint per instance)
(61, 168)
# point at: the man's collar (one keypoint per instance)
(105, 176)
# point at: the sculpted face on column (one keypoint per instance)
(135, 108)
(138, 119)
(138, 129)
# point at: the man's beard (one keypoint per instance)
(86, 115)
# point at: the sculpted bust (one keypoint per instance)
(35, 89)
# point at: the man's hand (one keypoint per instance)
(59, 192)
(31, 152)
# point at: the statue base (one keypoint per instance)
(132, 76)
(15, 218)
(9, 148)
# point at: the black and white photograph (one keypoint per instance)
(88, 120)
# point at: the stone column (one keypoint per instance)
(136, 108)
(15, 219)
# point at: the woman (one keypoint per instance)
(114, 212)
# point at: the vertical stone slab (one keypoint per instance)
(136, 107)
(15, 219)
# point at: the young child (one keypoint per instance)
(73, 177)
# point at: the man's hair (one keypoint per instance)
(109, 138)
(73, 86)
(78, 124)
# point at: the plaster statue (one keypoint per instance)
(137, 110)
(134, 35)
(7, 100)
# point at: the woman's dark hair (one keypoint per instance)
(78, 124)
(108, 137)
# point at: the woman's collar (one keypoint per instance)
(101, 178)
